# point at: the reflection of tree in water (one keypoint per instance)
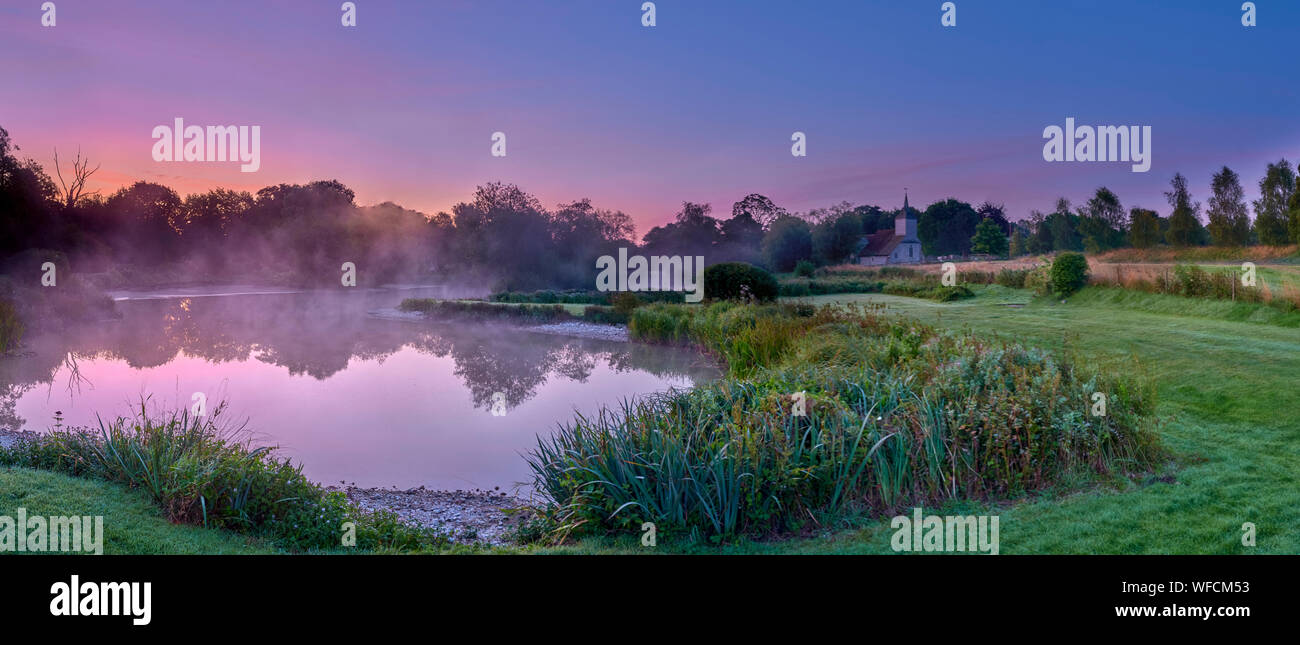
(9, 393)
(504, 362)
(319, 333)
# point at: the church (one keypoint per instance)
(899, 246)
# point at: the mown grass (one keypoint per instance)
(132, 523)
(896, 413)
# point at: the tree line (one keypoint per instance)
(505, 238)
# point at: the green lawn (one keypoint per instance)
(1228, 399)
(132, 523)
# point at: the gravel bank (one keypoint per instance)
(488, 517)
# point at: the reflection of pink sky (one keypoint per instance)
(406, 422)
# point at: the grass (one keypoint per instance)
(1225, 389)
(132, 523)
(897, 413)
(201, 471)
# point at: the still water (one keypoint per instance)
(351, 395)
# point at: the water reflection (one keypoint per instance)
(353, 396)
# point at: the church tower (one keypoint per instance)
(905, 224)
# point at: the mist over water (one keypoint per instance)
(352, 395)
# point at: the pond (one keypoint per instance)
(352, 395)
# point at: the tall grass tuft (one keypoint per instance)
(200, 470)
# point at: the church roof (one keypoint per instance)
(880, 243)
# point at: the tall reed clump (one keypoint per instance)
(895, 414)
(199, 471)
(11, 328)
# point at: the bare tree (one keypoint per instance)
(74, 191)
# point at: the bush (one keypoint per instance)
(805, 269)
(1069, 273)
(739, 281)
(624, 302)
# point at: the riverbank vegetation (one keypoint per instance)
(199, 470)
(895, 413)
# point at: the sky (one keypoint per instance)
(700, 107)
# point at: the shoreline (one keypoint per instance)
(470, 516)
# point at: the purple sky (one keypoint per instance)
(700, 107)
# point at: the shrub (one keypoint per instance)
(624, 302)
(805, 269)
(739, 281)
(1069, 273)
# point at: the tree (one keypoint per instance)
(946, 227)
(835, 239)
(1229, 222)
(149, 215)
(1018, 244)
(1063, 226)
(1040, 234)
(1293, 215)
(1101, 222)
(758, 208)
(74, 190)
(28, 198)
(1143, 228)
(996, 212)
(1275, 191)
(788, 241)
(989, 238)
(1184, 221)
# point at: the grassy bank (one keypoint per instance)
(199, 471)
(132, 523)
(1222, 388)
(896, 413)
